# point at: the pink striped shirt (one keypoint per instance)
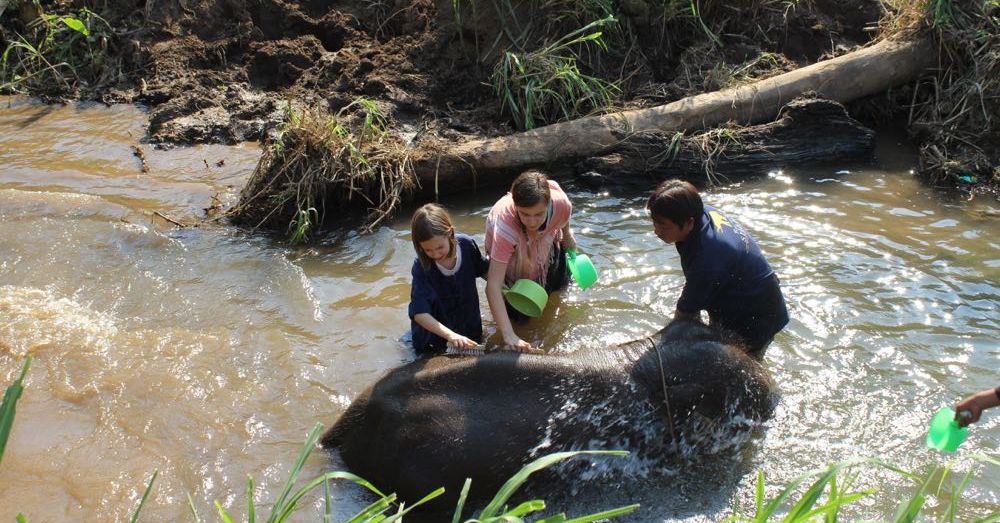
(507, 242)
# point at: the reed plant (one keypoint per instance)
(834, 488)
(8, 406)
(386, 507)
(60, 53)
(319, 162)
(545, 85)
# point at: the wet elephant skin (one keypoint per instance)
(436, 421)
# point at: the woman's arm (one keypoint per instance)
(454, 339)
(568, 240)
(494, 296)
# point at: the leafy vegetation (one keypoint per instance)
(546, 85)
(60, 53)
(9, 405)
(319, 162)
(838, 481)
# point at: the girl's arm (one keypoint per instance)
(494, 285)
(454, 339)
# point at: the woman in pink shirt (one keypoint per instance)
(527, 235)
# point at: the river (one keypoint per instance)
(207, 352)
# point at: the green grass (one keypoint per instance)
(834, 489)
(61, 52)
(346, 161)
(8, 406)
(546, 85)
(386, 507)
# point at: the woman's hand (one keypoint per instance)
(517, 344)
(461, 342)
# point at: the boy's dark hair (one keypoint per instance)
(675, 200)
(429, 221)
(530, 187)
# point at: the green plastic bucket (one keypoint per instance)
(527, 297)
(583, 270)
(944, 433)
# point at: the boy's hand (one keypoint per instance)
(461, 342)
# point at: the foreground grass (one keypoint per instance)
(822, 501)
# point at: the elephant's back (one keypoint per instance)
(431, 422)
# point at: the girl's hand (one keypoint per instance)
(461, 342)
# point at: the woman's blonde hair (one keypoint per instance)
(429, 221)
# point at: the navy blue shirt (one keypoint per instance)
(727, 275)
(452, 300)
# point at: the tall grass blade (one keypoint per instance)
(226, 518)
(402, 512)
(251, 513)
(327, 503)
(461, 501)
(279, 504)
(145, 495)
(607, 514)
(194, 511)
(378, 507)
(811, 496)
(8, 406)
(515, 482)
(283, 512)
(910, 509)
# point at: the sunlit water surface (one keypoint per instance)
(207, 354)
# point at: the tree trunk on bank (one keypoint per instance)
(808, 130)
(448, 168)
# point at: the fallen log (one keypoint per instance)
(807, 130)
(461, 167)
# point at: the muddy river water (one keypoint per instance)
(208, 353)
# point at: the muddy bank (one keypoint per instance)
(220, 70)
(228, 70)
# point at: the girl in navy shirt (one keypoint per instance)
(444, 300)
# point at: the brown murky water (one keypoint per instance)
(207, 354)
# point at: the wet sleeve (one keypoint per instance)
(699, 291)
(421, 292)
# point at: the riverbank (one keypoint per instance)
(213, 71)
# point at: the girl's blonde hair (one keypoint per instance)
(429, 221)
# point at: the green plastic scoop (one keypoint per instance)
(527, 297)
(583, 270)
(944, 433)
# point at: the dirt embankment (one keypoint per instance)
(227, 70)
(221, 70)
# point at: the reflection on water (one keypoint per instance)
(208, 354)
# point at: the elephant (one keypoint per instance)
(437, 421)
